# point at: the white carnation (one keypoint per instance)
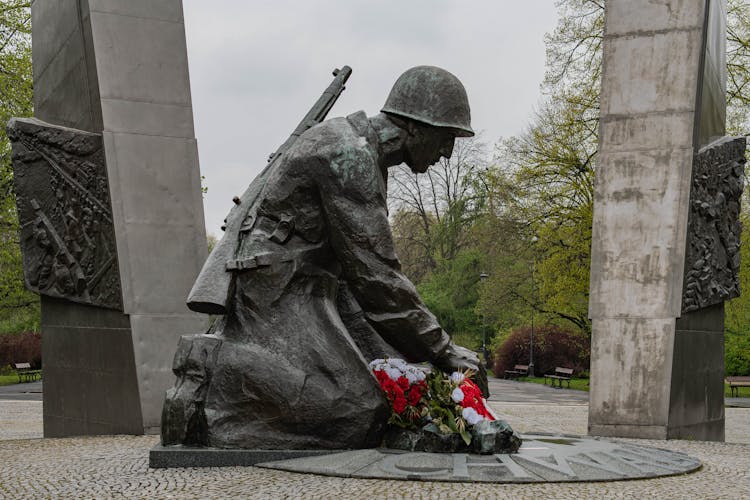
(457, 377)
(376, 364)
(398, 363)
(471, 416)
(395, 368)
(411, 376)
(457, 395)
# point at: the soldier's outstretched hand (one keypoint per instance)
(457, 358)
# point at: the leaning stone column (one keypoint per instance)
(116, 72)
(665, 247)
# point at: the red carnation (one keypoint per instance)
(399, 404)
(403, 382)
(381, 376)
(473, 399)
(415, 394)
(393, 390)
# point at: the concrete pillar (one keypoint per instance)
(119, 68)
(657, 358)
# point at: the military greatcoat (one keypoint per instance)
(282, 369)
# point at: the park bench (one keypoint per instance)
(560, 374)
(26, 373)
(517, 371)
(735, 383)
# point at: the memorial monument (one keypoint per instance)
(665, 242)
(309, 286)
(109, 202)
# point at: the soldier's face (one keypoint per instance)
(426, 145)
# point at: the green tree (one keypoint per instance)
(551, 168)
(737, 320)
(433, 219)
(19, 309)
(738, 66)
(552, 164)
(504, 238)
(451, 293)
(434, 211)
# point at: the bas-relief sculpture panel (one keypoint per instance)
(713, 254)
(65, 215)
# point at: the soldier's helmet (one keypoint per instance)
(431, 95)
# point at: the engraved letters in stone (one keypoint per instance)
(543, 458)
(713, 252)
(65, 215)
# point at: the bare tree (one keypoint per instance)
(433, 212)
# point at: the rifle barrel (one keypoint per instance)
(319, 110)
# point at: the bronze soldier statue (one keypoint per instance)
(311, 290)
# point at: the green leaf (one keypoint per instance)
(431, 427)
(466, 437)
(452, 424)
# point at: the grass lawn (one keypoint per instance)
(744, 392)
(582, 384)
(9, 379)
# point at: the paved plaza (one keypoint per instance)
(117, 466)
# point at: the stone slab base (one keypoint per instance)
(542, 458)
(705, 431)
(628, 431)
(90, 374)
(163, 457)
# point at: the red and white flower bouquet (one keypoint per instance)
(431, 400)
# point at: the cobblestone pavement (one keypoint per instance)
(117, 467)
(20, 420)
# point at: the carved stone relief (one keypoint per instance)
(65, 215)
(713, 244)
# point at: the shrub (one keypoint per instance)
(23, 347)
(17, 321)
(553, 347)
(737, 353)
(493, 345)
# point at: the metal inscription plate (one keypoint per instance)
(712, 264)
(64, 210)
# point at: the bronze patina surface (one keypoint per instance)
(310, 287)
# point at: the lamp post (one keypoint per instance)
(533, 298)
(531, 347)
(482, 278)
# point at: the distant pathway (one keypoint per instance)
(30, 391)
(511, 391)
(501, 391)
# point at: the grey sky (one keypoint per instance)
(257, 66)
